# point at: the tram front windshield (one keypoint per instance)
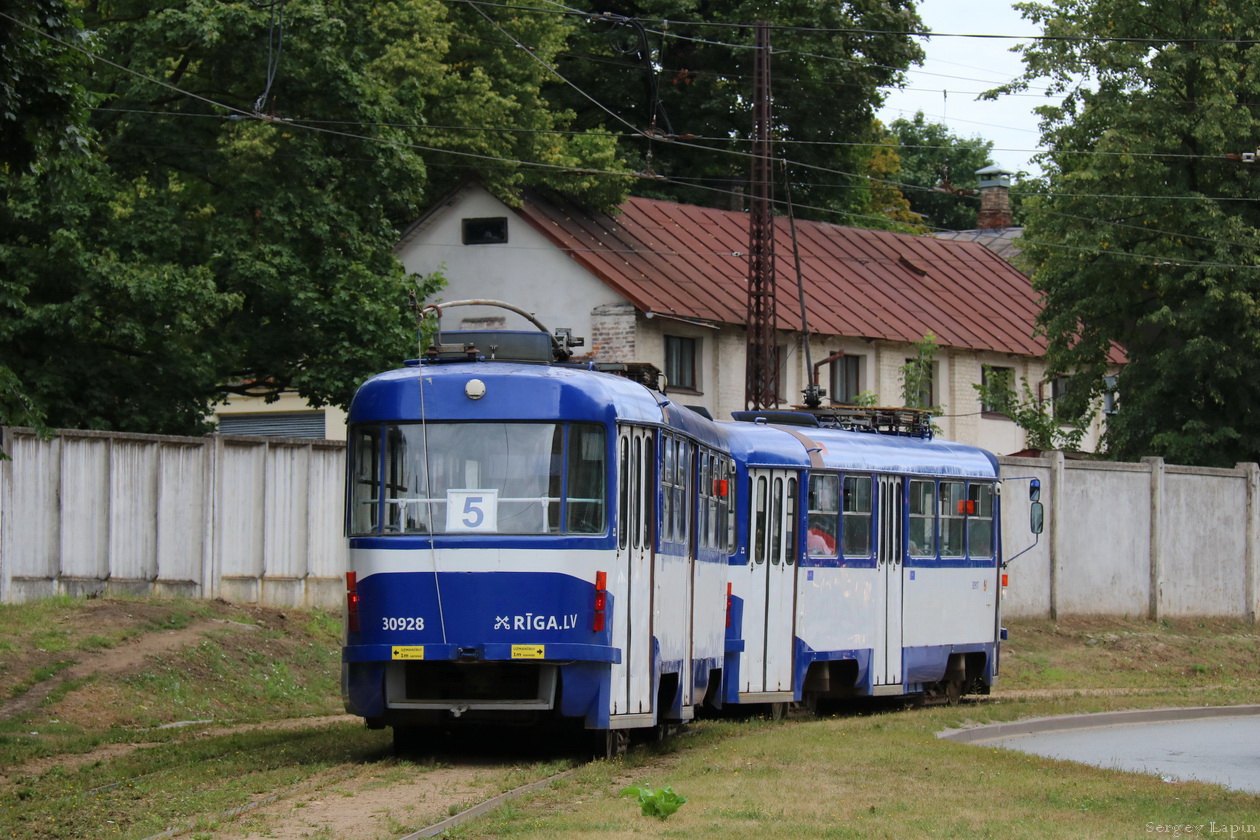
(478, 478)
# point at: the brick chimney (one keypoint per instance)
(995, 198)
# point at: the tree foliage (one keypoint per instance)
(251, 167)
(690, 86)
(42, 100)
(1043, 430)
(939, 168)
(1149, 237)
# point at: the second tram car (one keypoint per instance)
(543, 544)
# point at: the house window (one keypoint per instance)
(1058, 389)
(682, 356)
(490, 231)
(925, 397)
(294, 424)
(993, 377)
(846, 379)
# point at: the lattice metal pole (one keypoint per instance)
(761, 380)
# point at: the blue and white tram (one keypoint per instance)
(531, 543)
(872, 565)
(535, 543)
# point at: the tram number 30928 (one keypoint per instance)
(408, 623)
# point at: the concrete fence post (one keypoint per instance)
(1251, 569)
(6, 492)
(1055, 526)
(1156, 466)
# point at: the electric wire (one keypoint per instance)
(312, 127)
(275, 42)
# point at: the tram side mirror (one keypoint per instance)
(1036, 517)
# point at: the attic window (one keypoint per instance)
(488, 231)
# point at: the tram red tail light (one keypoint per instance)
(601, 601)
(728, 605)
(352, 601)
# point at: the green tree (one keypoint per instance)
(689, 84)
(939, 168)
(1042, 429)
(43, 109)
(1149, 236)
(918, 376)
(42, 100)
(233, 229)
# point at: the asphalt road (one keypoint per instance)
(1219, 744)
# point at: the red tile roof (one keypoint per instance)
(690, 262)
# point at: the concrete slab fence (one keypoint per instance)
(1147, 540)
(259, 520)
(250, 520)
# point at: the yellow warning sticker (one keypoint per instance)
(529, 651)
(407, 652)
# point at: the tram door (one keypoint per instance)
(890, 567)
(632, 612)
(769, 611)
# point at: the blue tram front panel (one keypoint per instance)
(484, 566)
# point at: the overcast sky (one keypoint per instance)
(957, 69)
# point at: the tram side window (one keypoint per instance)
(676, 490)
(667, 492)
(856, 510)
(922, 519)
(728, 504)
(623, 493)
(702, 509)
(824, 515)
(761, 493)
(792, 546)
(365, 482)
(585, 494)
(686, 494)
(953, 518)
(636, 504)
(980, 520)
(776, 522)
(682, 493)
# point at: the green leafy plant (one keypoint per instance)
(655, 803)
(1035, 416)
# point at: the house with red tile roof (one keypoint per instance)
(666, 284)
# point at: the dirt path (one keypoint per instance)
(129, 657)
(363, 803)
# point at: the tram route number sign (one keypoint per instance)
(472, 510)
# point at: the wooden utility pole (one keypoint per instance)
(762, 352)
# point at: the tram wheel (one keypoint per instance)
(609, 743)
(776, 711)
(953, 692)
